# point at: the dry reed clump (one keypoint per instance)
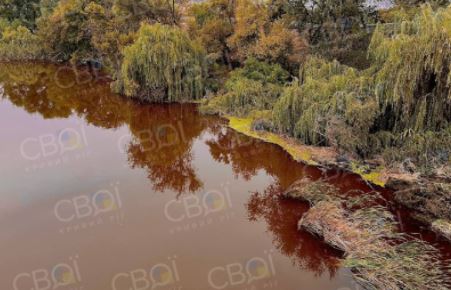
(379, 256)
(432, 200)
(432, 205)
(442, 227)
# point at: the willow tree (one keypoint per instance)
(400, 104)
(330, 105)
(162, 65)
(413, 72)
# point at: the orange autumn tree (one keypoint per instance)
(211, 22)
(280, 45)
(257, 35)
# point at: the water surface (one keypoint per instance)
(99, 192)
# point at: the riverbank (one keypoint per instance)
(377, 254)
(312, 155)
(428, 197)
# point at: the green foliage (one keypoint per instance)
(82, 30)
(24, 11)
(66, 33)
(212, 23)
(328, 96)
(350, 49)
(402, 101)
(399, 107)
(245, 95)
(326, 20)
(18, 43)
(428, 149)
(255, 86)
(419, 2)
(109, 35)
(46, 7)
(334, 29)
(413, 73)
(132, 12)
(261, 71)
(163, 64)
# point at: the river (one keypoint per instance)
(99, 192)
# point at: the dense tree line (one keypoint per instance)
(322, 71)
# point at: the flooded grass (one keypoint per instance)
(379, 256)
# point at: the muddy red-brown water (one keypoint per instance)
(99, 192)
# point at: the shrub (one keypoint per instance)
(65, 32)
(245, 95)
(18, 43)
(261, 71)
(255, 86)
(428, 149)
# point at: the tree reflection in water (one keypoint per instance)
(162, 139)
(162, 144)
(162, 135)
(247, 156)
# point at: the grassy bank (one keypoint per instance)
(310, 155)
(378, 256)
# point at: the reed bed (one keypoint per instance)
(379, 256)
